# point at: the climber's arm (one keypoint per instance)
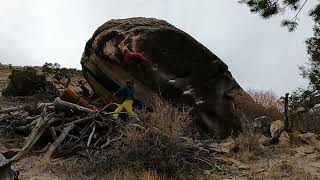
(119, 93)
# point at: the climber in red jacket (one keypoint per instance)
(129, 56)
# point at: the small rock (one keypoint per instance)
(262, 124)
(263, 139)
(305, 149)
(207, 172)
(299, 110)
(275, 126)
(316, 107)
(299, 155)
(229, 145)
(311, 139)
(244, 167)
(284, 139)
(315, 164)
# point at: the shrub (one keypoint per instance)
(158, 147)
(154, 151)
(26, 82)
(266, 98)
(58, 72)
(249, 146)
(173, 121)
(245, 104)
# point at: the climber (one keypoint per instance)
(129, 56)
(125, 92)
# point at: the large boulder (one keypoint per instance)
(6, 173)
(262, 125)
(275, 127)
(179, 69)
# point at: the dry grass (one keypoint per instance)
(281, 170)
(256, 106)
(267, 99)
(287, 169)
(151, 175)
(129, 174)
(173, 121)
(158, 147)
(212, 177)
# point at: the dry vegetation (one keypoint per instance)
(160, 143)
(248, 140)
(256, 103)
(267, 99)
(163, 145)
(159, 147)
(173, 121)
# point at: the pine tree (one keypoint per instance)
(269, 8)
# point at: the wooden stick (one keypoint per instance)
(80, 120)
(91, 134)
(11, 109)
(42, 123)
(56, 143)
(139, 126)
(103, 138)
(9, 117)
(286, 118)
(53, 133)
(109, 141)
(26, 120)
(60, 104)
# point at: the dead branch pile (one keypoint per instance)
(65, 129)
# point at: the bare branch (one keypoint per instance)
(56, 143)
(91, 134)
(109, 141)
(296, 16)
(53, 133)
(60, 104)
(12, 109)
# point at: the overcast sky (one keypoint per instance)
(260, 54)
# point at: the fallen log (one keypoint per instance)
(42, 123)
(25, 121)
(12, 109)
(60, 104)
(9, 117)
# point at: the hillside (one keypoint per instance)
(76, 77)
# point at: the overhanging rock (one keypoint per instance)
(179, 68)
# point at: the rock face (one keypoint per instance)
(275, 127)
(306, 120)
(262, 125)
(179, 69)
(6, 173)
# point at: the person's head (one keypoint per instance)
(129, 83)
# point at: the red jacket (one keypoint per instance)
(129, 56)
(133, 57)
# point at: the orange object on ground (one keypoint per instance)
(70, 96)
